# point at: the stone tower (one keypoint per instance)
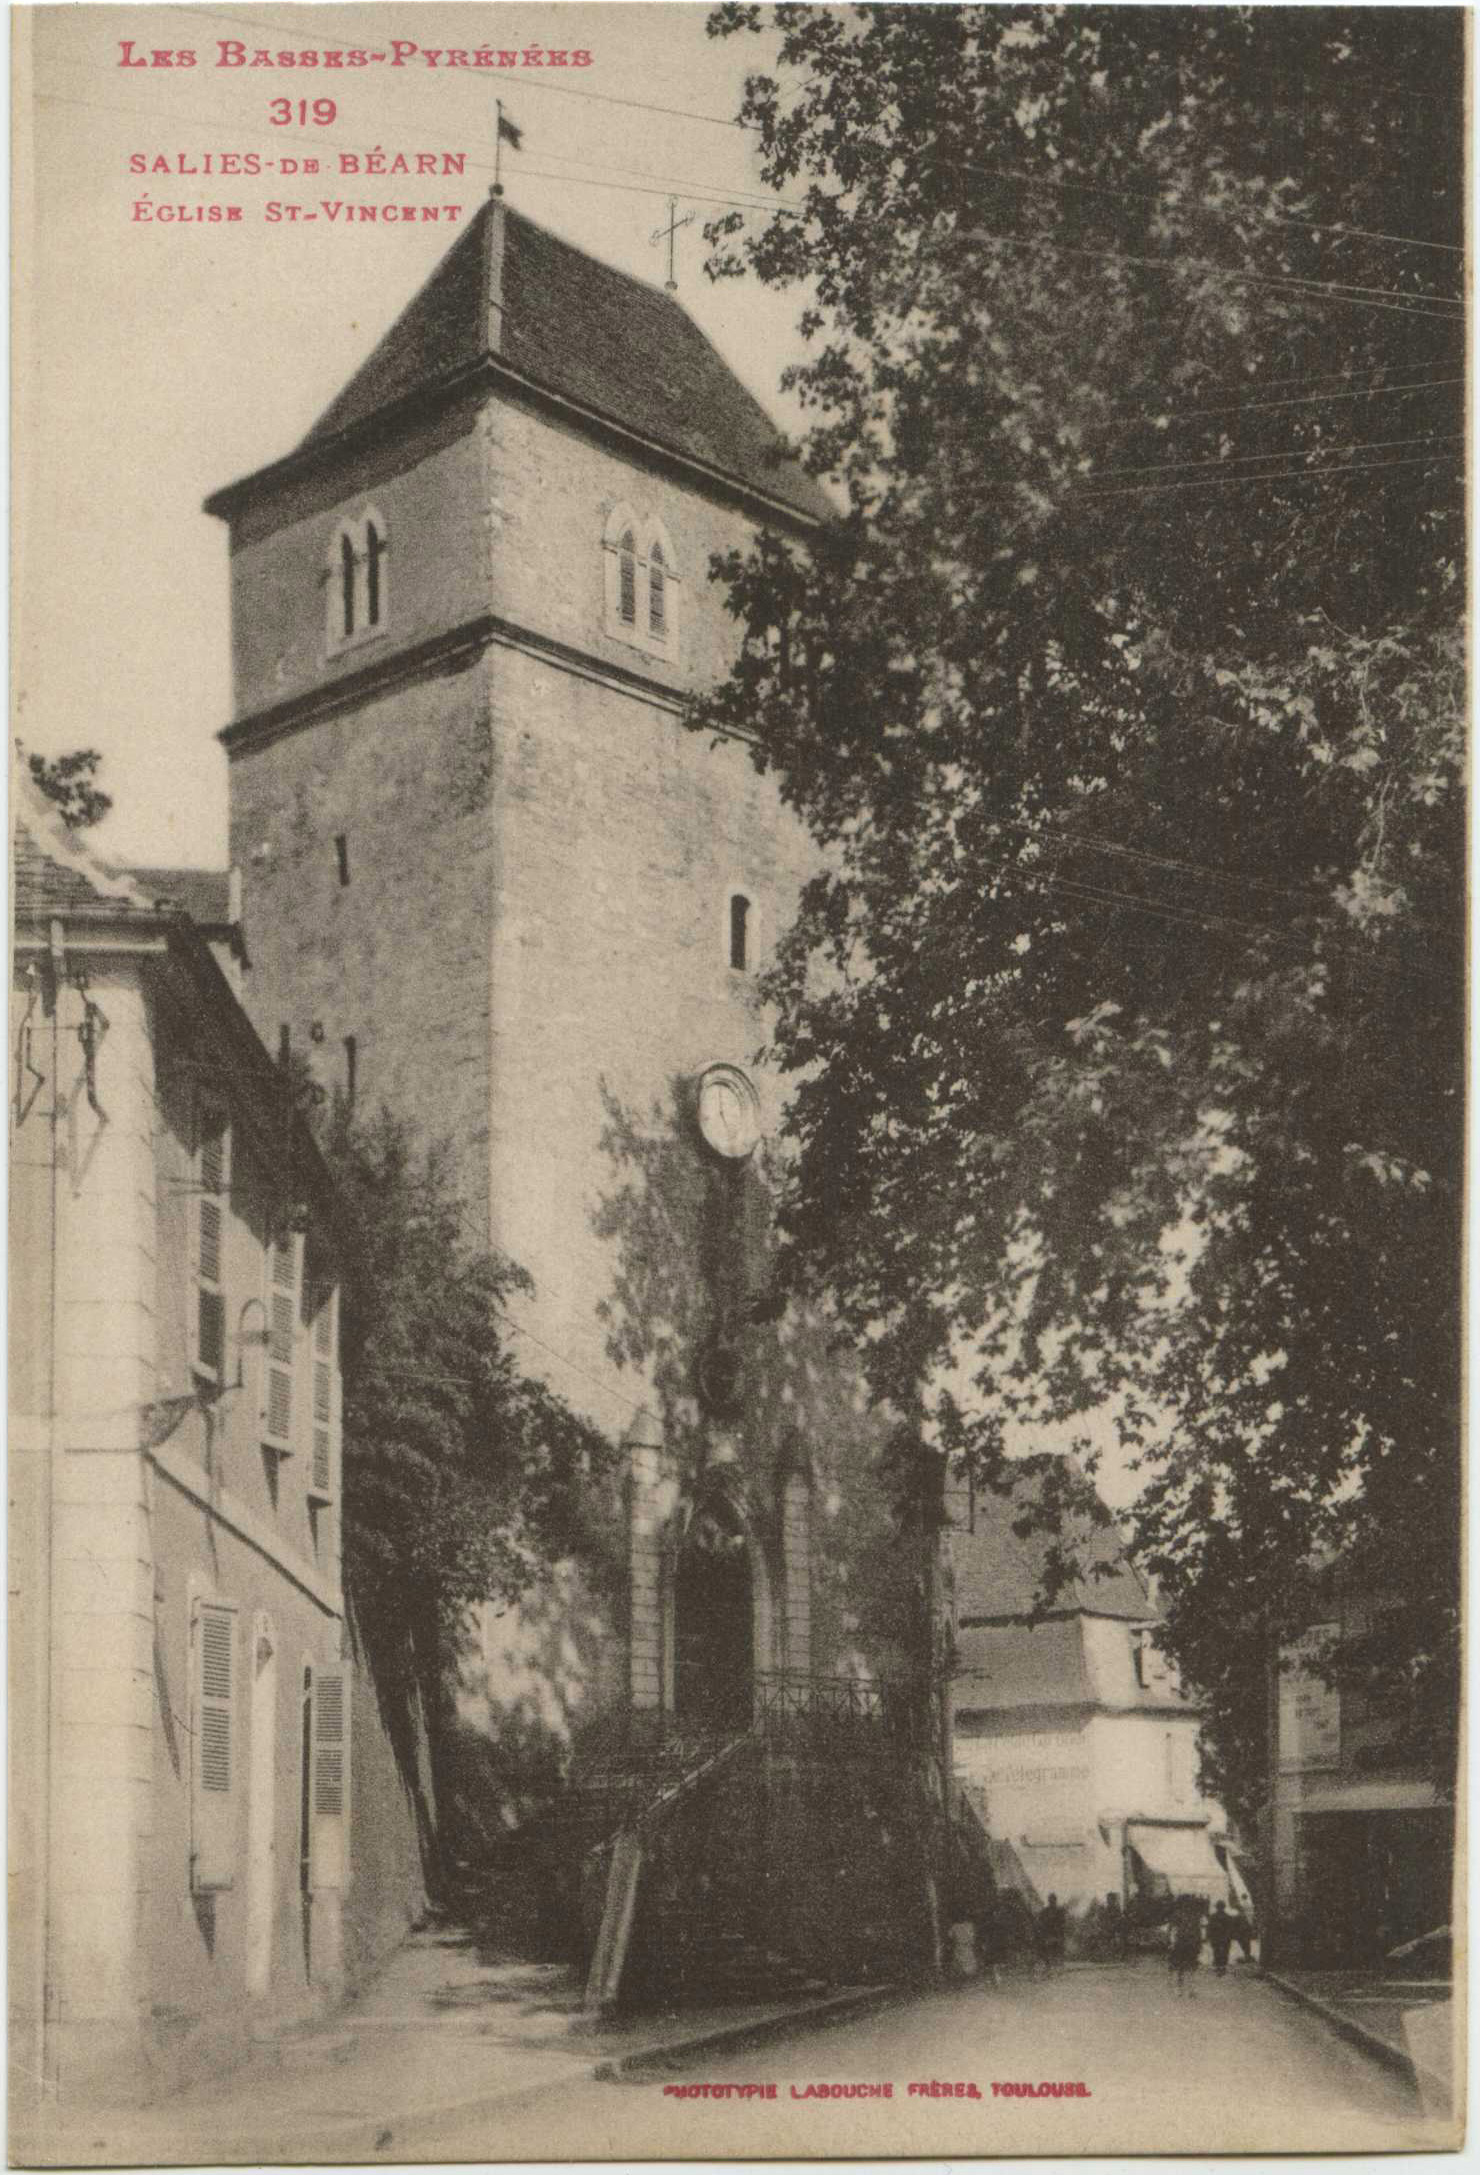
(492, 882)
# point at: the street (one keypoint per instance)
(1236, 2068)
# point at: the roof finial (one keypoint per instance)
(505, 133)
(674, 223)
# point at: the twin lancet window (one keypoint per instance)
(642, 585)
(356, 580)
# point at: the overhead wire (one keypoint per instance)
(1147, 196)
(1334, 377)
(1293, 288)
(1281, 453)
(742, 198)
(527, 80)
(738, 201)
(1053, 834)
(1306, 400)
(1298, 475)
(1221, 924)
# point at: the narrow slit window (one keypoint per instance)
(627, 579)
(351, 1069)
(657, 594)
(374, 553)
(739, 931)
(341, 854)
(347, 582)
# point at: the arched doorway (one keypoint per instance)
(714, 1623)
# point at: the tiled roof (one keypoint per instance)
(581, 329)
(54, 871)
(999, 1573)
(1015, 1665)
(202, 893)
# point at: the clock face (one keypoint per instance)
(729, 1111)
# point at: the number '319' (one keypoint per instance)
(319, 112)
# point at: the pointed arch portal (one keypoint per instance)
(714, 1623)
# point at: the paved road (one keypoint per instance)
(1236, 2068)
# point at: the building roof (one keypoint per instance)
(202, 893)
(57, 877)
(55, 873)
(509, 292)
(1021, 1665)
(999, 1574)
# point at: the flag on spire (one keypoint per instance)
(507, 132)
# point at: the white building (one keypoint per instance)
(1074, 1743)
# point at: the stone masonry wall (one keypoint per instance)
(532, 955)
(397, 956)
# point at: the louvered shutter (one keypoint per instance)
(213, 1797)
(627, 579)
(282, 1322)
(329, 1779)
(321, 1480)
(657, 595)
(212, 1184)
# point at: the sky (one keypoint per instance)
(156, 361)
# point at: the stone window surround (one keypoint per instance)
(355, 529)
(646, 532)
(738, 888)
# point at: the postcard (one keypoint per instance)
(737, 1076)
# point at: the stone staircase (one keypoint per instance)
(721, 1865)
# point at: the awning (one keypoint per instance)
(1178, 1861)
(1009, 1871)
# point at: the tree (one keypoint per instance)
(1125, 696)
(68, 780)
(464, 1478)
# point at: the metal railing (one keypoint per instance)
(791, 1702)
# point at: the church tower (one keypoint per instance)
(491, 882)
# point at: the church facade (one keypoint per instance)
(492, 882)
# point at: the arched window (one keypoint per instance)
(641, 582)
(347, 583)
(627, 579)
(657, 594)
(739, 930)
(374, 553)
(357, 580)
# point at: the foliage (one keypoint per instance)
(463, 1477)
(1125, 695)
(69, 781)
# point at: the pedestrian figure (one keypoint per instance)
(1243, 1933)
(1050, 1934)
(1186, 1945)
(961, 1940)
(1220, 1938)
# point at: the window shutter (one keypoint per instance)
(282, 1312)
(321, 1477)
(212, 1180)
(213, 1801)
(657, 595)
(329, 1779)
(627, 579)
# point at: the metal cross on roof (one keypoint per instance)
(674, 223)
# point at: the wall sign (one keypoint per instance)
(1310, 1709)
